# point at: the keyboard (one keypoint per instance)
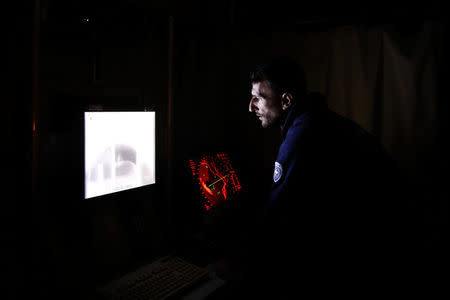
(159, 280)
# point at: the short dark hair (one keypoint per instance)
(283, 75)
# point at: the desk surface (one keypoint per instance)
(206, 289)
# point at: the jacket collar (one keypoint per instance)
(312, 102)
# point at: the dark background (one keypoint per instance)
(189, 61)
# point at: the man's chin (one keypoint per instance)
(269, 123)
(265, 125)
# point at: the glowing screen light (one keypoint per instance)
(216, 178)
(119, 151)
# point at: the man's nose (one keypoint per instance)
(252, 106)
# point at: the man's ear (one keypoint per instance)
(286, 100)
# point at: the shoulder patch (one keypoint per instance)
(277, 172)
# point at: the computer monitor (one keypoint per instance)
(119, 151)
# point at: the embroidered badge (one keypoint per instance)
(277, 172)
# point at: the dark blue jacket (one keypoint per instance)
(333, 204)
(326, 158)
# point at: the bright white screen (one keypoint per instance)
(119, 151)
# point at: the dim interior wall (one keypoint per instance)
(17, 203)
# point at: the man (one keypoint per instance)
(333, 213)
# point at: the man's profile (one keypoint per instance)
(332, 207)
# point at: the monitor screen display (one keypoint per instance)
(119, 151)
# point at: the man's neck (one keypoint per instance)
(287, 116)
(309, 102)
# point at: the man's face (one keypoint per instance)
(265, 104)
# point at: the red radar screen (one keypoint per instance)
(216, 178)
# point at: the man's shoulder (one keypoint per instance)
(345, 130)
